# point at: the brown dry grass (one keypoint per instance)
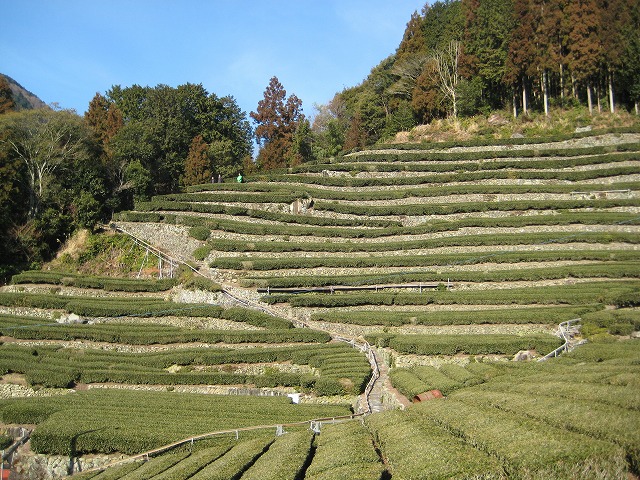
(74, 245)
(501, 124)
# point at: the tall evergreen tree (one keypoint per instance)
(105, 120)
(630, 66)
(277, 118)
(613, 16)
(197, 168)
(488, 27)
(551, 45)
(522, 51)
(413, 40)
(584, 47)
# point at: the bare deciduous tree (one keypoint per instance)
(445, 65)
(43, 140)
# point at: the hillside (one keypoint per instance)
(22, 97)
(443, 262)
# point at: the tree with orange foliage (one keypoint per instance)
(278, 119)
(197, 166)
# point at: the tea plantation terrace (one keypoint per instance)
(447, 261)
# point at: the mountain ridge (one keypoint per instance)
(23, 98)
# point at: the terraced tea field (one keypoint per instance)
(446, 262)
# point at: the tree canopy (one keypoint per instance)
(160, 123)
(60, 171)
(280, 128)
(513, 54)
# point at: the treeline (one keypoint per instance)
(60, 171)
(464, 57)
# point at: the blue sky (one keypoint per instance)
(65, 51)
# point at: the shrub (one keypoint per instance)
(197, 282)
(527, 447)
(202, 252)
(234, 462)
(345, 450)
(284, 460)
(414, 449)
(200, 233)
(5, 442)
(467, 344)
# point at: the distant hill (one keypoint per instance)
(22, 97)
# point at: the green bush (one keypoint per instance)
(527, 447)
(197, 282)
(446, 260)
(284, 460)
(328, 386)
(202, 252)
(5, 442)
(200, 233)
(133, 421)
(343, 451)
(255, 318)
(423, 450)
(466, 344)
(407, 382)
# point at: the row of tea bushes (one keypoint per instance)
(507, 142)
(252, 228)
(445, 260)
(448, 378)
(471, 207)
(602, 174)
(473, 165)
(616, 322)
(225, 245)
(83, 281)
(213, 208)
(134, 421)
(31, 328)
(423, 450)
(274, 192)
(463, 343)
(609, 269)
(538, 315)
(616, 293)
(343, 451)
(139, 307)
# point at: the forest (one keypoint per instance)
(60, 171)
(472, 57)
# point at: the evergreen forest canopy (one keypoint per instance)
(457, 58)
(465, 57)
